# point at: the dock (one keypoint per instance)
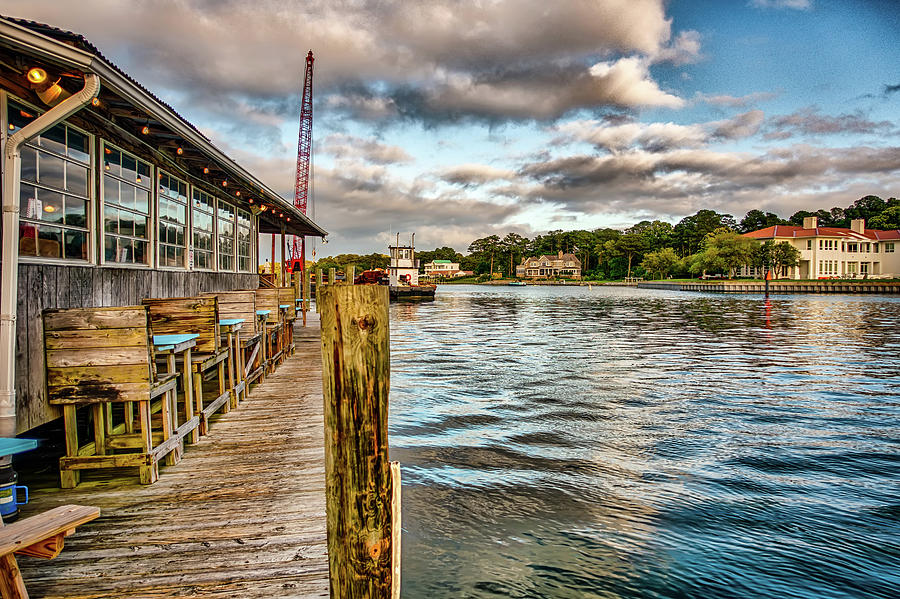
(242, 515)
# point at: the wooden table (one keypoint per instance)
(231, 327)
(171, 346)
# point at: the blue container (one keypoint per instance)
(9, 496)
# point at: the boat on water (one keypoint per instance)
(517, 283)
(403, 273)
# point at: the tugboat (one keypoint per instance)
(403, 273)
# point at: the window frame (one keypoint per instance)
(213, 214)
(90, 221)
(219, 236)
(157, 221)
(151, 212)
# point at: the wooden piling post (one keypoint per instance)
(332, 276)
(350, 274)
(359, 484)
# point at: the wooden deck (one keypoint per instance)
(242, 515)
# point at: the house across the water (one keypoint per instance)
(109, 197)
(543, 267)
(833, 252)
(441, 269)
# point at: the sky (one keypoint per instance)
(457, 119)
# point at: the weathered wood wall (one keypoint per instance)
(52, 286)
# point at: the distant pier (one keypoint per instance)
(781, 287)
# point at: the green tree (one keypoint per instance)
(691, 230)
(888, 219)
(757, 219)
(660, 262)
(513, 246)
(725, 250)
(486, 248)
(784, 256)
(628, 246)
(657, 234)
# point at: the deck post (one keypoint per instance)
(350, 274)
(332, 276)
(359, 491)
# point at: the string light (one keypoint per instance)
(106, 165)
(225, 183)
(95, 102)
(12, 127)
(237, 193)
(145, 130)
(205, 170)
(36, 75)
(179, 151)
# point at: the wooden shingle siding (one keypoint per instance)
(45, 286)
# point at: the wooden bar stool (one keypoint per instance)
(200, 316)
(100, 358)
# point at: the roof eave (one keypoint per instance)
(47, 48)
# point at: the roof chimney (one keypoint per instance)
(858, 225)
(810, 222)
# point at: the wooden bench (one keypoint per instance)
(102, 358)
(242, 304)
(200, 316)
(287, 296)
(41, 536)
(267, 299)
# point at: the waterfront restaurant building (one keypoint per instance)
(109, 197)
(441, 268)
(833, 252)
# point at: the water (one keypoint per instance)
(615, 442)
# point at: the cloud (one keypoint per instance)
(432, 59)
(794, 4)
(660, 137)
(684, 50)
(368, 150)
(736, 102)
(682, 181)
(890, 89)
(809, 121)
(472, 174)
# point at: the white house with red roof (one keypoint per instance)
(833, 252)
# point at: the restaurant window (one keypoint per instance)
(55, 190)
(171, 218)
(243, 241)
(126, 207)
(225, 228)
(202, 217)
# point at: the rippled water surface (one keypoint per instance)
(615, 442)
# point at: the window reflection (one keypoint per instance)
(54, 196)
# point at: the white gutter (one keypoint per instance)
(12, 162)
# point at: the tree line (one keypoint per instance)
(705, 242)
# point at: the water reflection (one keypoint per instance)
(612, 442)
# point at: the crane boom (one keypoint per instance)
(304, 145)
(304, 151)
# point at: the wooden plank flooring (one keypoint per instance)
(242, 515)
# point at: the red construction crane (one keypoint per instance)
(304, 148)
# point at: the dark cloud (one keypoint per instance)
(468, 175)
(432, 59)
(890, 89)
